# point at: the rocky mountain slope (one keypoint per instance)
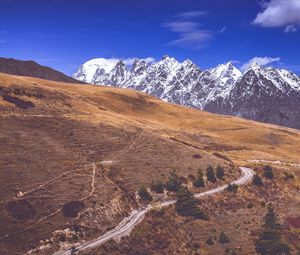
(33, 69)
(260, 93)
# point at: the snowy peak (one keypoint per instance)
(255, 66)
(87, 71)
(225, 72)
(223, 89)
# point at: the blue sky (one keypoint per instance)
(65, 33)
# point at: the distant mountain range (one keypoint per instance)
(33, 69)
(263, 94)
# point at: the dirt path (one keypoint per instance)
(131, 147)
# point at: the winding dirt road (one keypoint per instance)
(136, 216)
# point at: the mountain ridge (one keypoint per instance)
(219, 90)
(32, 69)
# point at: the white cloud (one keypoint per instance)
(190, 34)
(260, 60)
(280, 13)
(192, 14)
(290, 28)
(223, 29)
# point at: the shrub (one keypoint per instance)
(288, 175)
(157, 187)
(173, 184)
(232, 187)
(210, 241)
(210, 174)
(199, 182)
(268, 172)
(186, 205)
(223, 238)
(250, 205)
(20, 209)
(144, 194)
(220, 172)
(71, 209)
(230, 251)
(257, 181)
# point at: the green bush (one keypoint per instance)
(223, 238)
(144, 194)
(210, 174)
(157, 187)
(257, 181)
(173, 184)
(186, 205)
(220, 172)
(268, 172)
(232, 187)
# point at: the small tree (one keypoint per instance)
(268, 172)
(144, 194)
(223, 238)
(269, 241)
(257, 181)
(210, 241)
(173, 183)
(157, 187)
(232, 187)
(186, 205)
(220, 172)
(210, 174)
(199, 182)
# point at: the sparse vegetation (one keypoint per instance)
(257, 181)
(199, 182)
(268, 172)
(186, 205)
(211, 174)
(157, 186)
(71, 209)
(223, 238)
(220, 172)
(173, 184)
(232, 187)
(145, 195)
(270, 242)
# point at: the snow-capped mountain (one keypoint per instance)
(260, 93)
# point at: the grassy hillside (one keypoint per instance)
(64, 142)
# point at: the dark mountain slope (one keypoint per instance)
(33, 69)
